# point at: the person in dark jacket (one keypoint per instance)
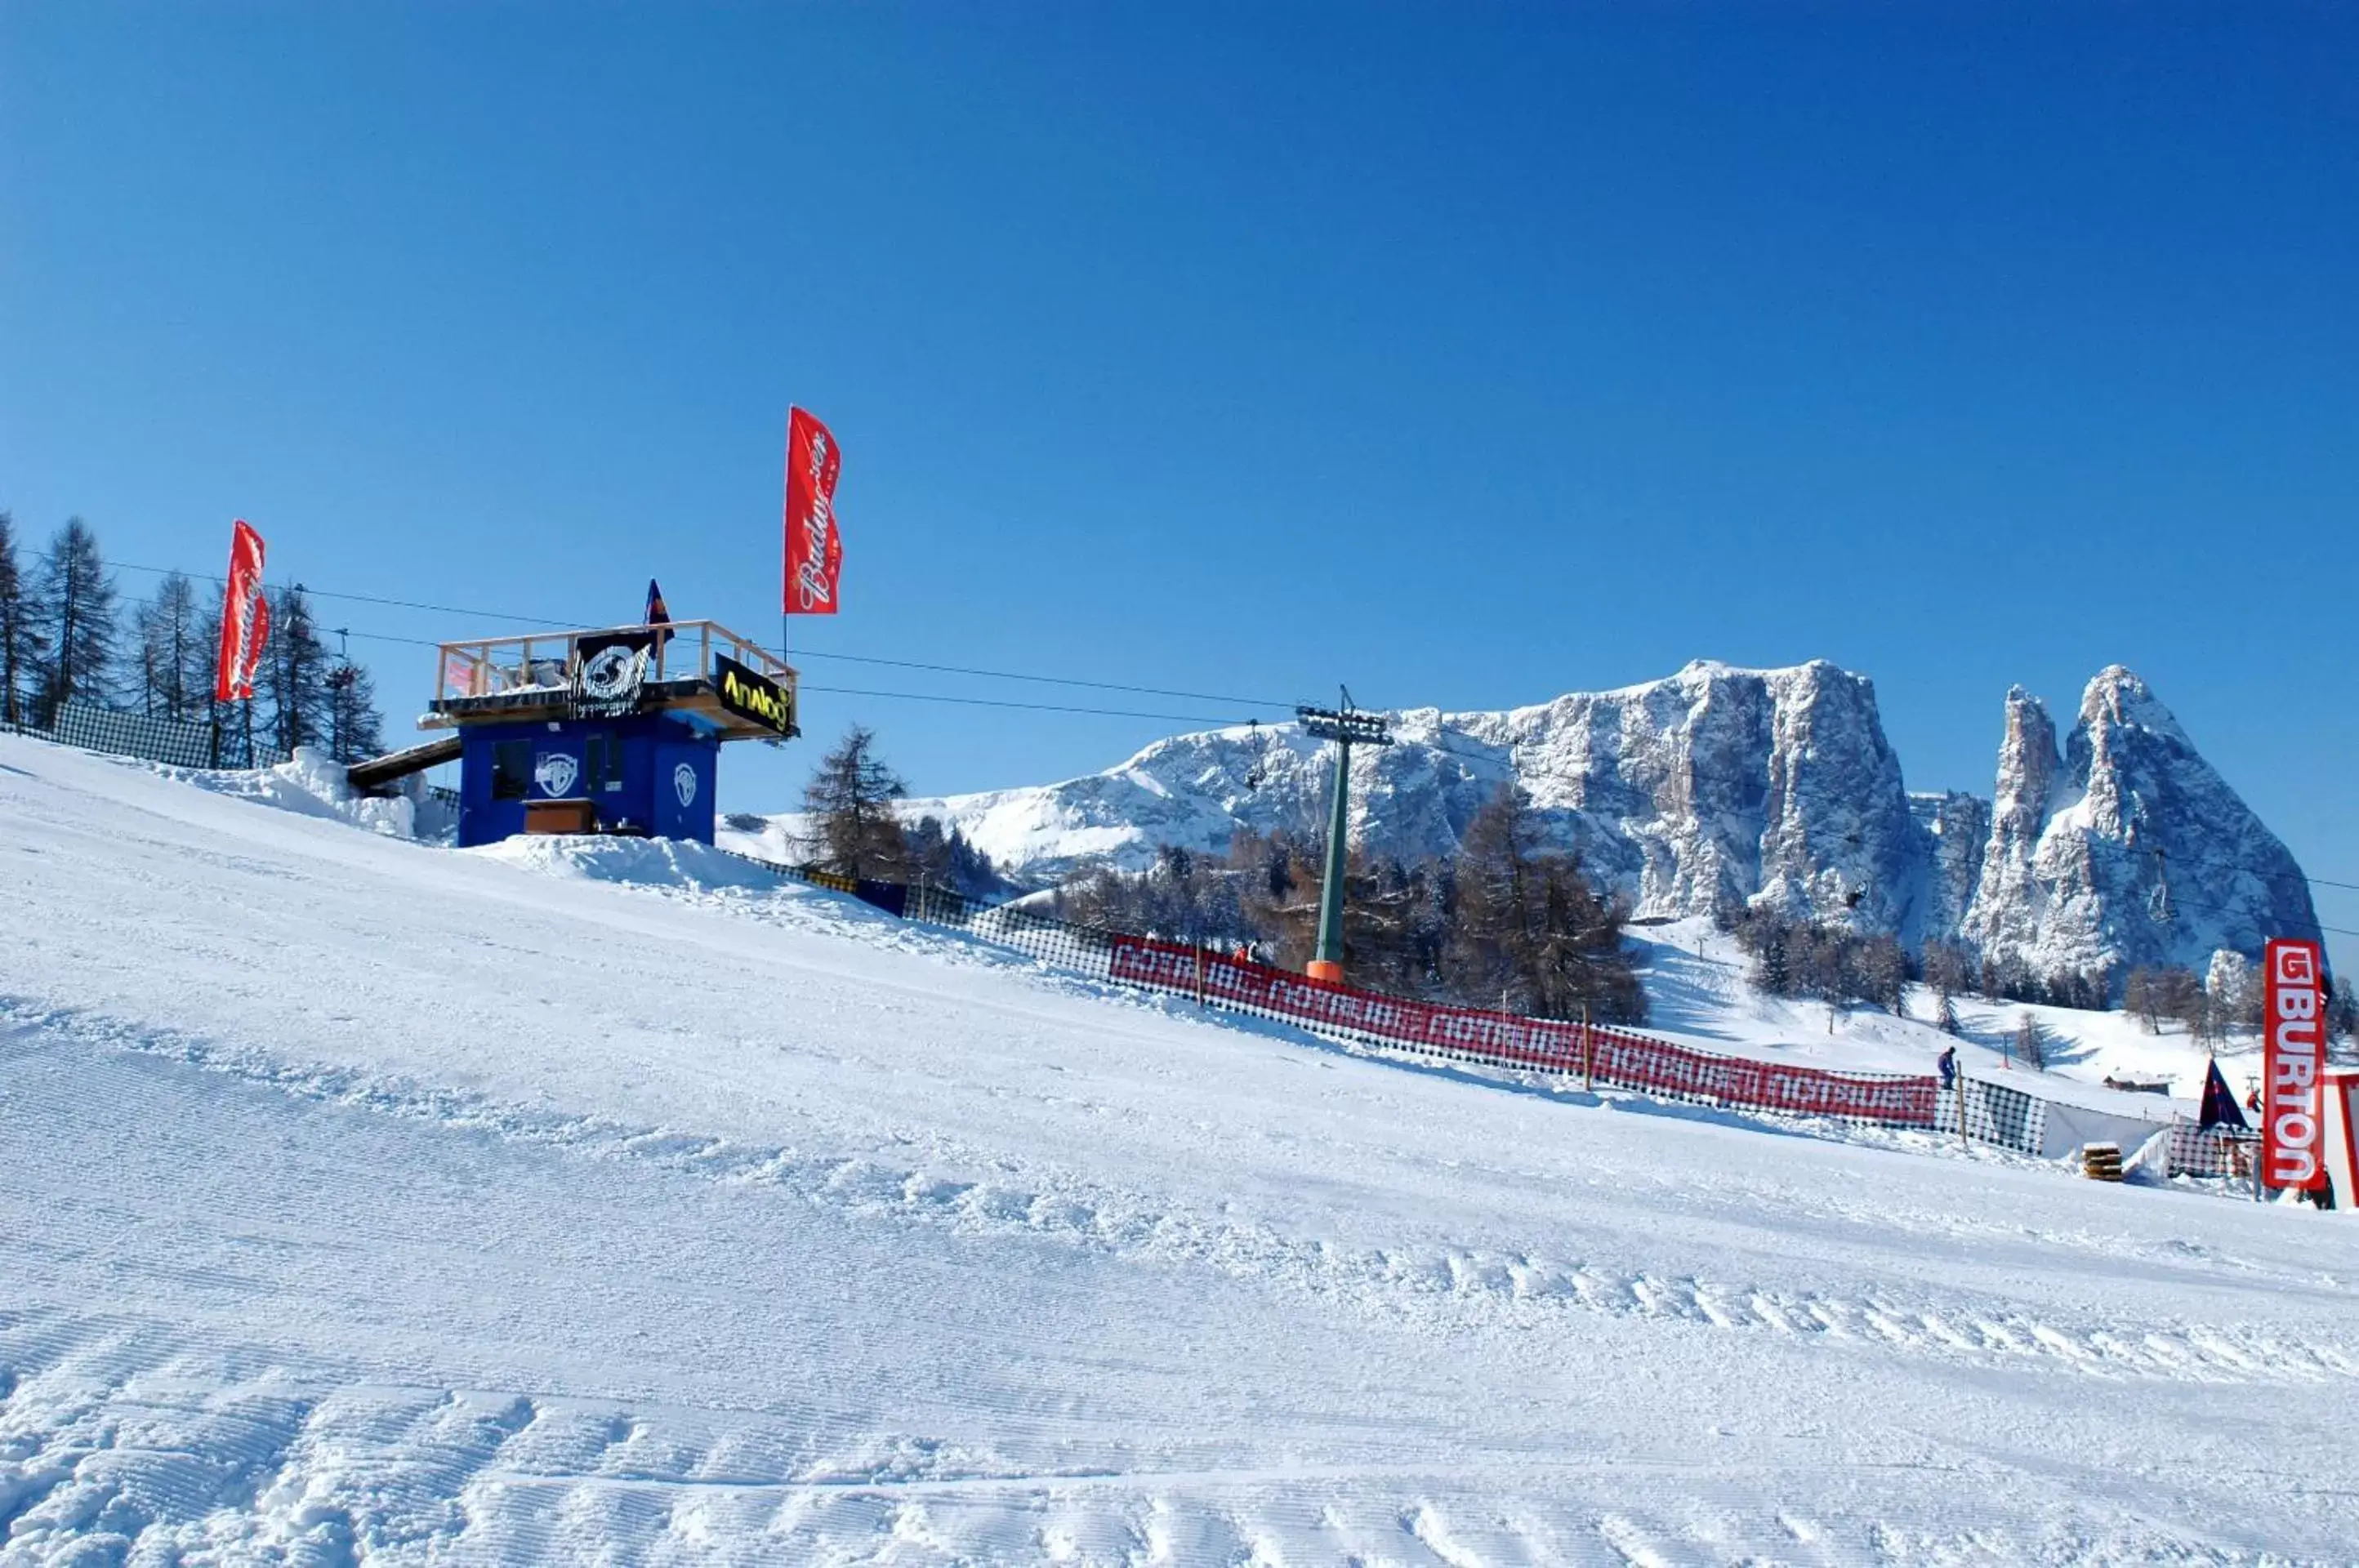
(1947, 1066)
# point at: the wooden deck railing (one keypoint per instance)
(544, 661)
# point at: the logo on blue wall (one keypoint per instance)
(683, 783)
(555, 771)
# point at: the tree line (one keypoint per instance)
(65, 639)
(1507, 923)
(1806, 959)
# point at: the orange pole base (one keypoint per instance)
(1324, 970)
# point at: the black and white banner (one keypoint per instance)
(610, 670)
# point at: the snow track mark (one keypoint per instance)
(1395, 1280)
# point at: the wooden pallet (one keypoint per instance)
(2101, 1161)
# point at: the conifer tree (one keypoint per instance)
(74, 620)
(295, 673)
(201, 678)
(1529, 930)
(854, 831)
(167, 628)
(19, 641)
(2031, 1041)
(356, 728)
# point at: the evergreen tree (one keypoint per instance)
(167, 628)
(1529, 930)
(74, 620)
(1945, 1016)
(1879, 972)
(356, 728)
(2031, 1041)
(1948, 970)
(850, 802)
(944, 859)
(2234, 986)
(2179, 996)
(20, 645)
(295, 673)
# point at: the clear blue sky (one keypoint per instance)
(1470, 355)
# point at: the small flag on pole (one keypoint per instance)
(657, 614)
(2219, 1105)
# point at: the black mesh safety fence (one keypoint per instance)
(2215, 1151)
(1992, 1113)
(175, 742)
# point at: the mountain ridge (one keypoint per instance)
(1720, 785)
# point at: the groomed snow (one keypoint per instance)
(561, 1203)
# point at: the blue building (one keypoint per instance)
(610, 732)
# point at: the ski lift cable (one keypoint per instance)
(804, 652)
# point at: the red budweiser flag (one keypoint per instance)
(245, 616)
(814, 549)
(2293, 1061)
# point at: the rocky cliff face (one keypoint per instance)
(2130, 849)
(1717, 785)
(1720, 786)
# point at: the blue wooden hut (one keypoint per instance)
(615, 731)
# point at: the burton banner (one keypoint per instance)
(2293, 1064)
(814, 548)
(1503, 1039)
(245, 616)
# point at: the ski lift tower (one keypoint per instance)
(616, 731)
(1347, 727)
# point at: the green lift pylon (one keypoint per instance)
(1347, 727)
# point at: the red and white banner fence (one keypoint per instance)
(1610, 1056)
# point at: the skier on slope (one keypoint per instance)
(1947, 1064)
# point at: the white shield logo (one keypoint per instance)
(614, 672)
(555, 771)
(683, 783)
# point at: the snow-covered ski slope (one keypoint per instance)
(364, 1201)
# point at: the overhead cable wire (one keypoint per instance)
(1033, 707)
(855, 658)
(1053, 680)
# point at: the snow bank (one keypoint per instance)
(312, 784)
(672, 864)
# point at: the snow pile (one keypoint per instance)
(674, 863)
(368, 1201)
(313, 784)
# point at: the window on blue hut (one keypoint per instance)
(605, 760)
(511, 770)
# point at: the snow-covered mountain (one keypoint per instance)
(2128, 848)
(1721, 785)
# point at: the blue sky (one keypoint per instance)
(1469, 354)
